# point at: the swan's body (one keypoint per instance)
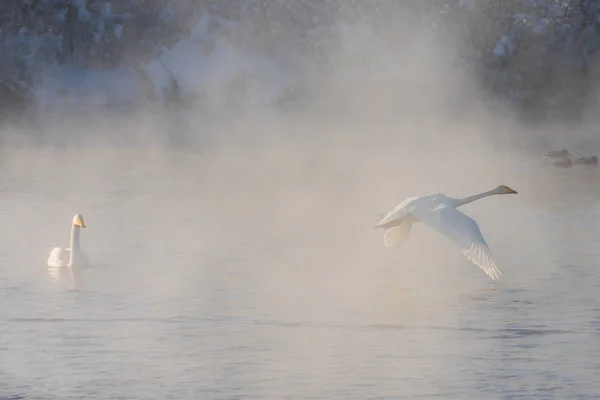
(440, 212)
(72, 256)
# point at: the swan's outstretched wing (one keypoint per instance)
(58, 257)
(463, 231)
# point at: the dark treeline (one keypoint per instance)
(539, 55)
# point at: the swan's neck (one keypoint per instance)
(74, 244)
(470, 199)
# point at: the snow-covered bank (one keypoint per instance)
(538, 54)
(204, 67)
(215, 68)
(72, 87)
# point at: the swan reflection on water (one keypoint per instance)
(65, 276)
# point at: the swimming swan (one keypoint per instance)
(72, 256)
(440, 212)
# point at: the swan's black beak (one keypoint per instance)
(511, 191)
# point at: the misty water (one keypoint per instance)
(248, 267)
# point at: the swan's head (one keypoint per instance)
(78, 221)
(503, 189)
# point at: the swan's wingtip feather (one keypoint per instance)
(484, 261)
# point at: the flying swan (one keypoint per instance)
(440, 212)
(72, 256)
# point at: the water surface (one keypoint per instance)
(214, 278)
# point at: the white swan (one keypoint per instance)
(439, 212)
(72, 256)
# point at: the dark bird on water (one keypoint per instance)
(566, 163)
(564, 154)
(566, 159)
(589, 161)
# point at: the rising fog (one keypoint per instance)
(231, 233)
(266, 210)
